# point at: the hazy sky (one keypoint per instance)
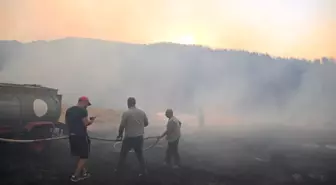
(298, 28)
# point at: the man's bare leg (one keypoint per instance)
(84, 170)
(80, 167)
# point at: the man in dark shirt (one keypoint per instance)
(76, 118)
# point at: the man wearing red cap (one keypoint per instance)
(76, 118)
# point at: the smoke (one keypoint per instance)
(243, 97)
(230, 86)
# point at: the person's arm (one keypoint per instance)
(163, 134)
(170, 129)
(86, 120)
(66, 117)
(146, 121)
(122, 125)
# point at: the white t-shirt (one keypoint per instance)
(134, 120)
(174, 129)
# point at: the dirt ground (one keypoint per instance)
(208, 159)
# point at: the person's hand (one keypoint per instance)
(119, 138)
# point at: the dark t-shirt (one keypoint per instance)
(74, 119)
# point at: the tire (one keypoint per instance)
(39, 132)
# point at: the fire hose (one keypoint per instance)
(66, 137)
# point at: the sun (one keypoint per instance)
(187, 39)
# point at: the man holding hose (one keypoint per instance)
(133, 122)
(173, 134)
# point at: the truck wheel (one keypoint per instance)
(40, 132)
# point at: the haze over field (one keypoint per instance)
(231, 86)
(262, 72)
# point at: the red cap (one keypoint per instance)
(84, 98)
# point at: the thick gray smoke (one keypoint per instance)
(230, 86)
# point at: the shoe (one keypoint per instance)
(116, 171)
(75, 178)
(167, 164)
(145, 173)
(177, 166)
(85, 175)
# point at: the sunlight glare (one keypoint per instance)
(187, 39)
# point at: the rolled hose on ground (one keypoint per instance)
(66, 137)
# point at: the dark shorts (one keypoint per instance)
(80, 146)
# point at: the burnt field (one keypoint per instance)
(231, 157)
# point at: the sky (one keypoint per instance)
(286, 28)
